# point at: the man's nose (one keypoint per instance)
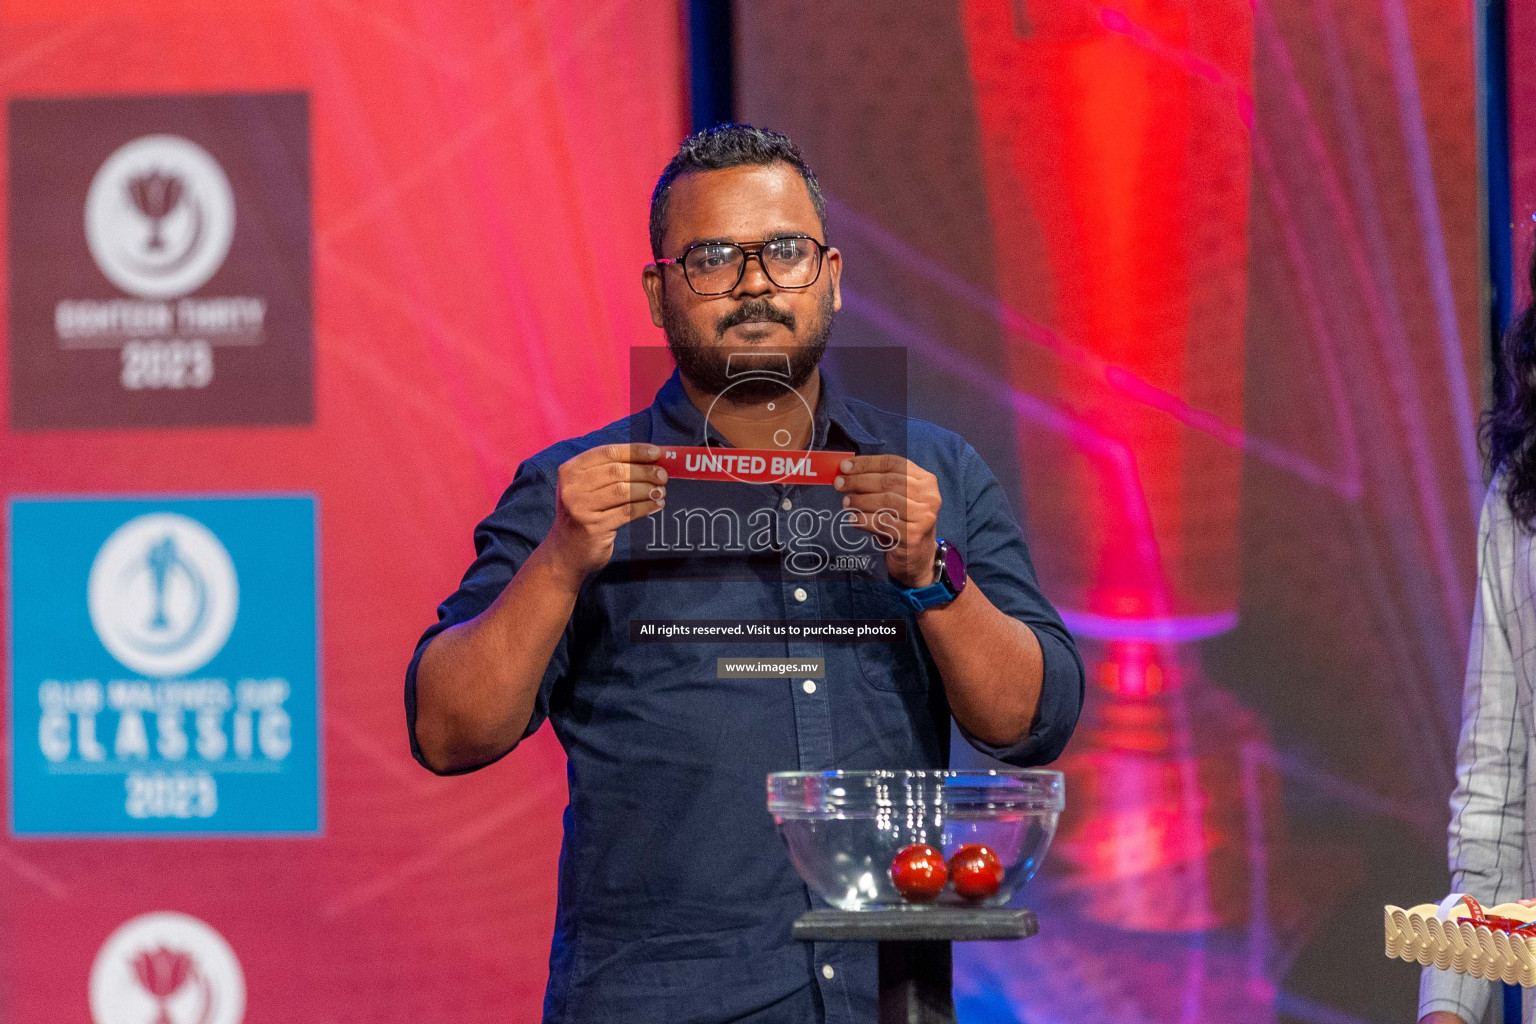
(754, 278)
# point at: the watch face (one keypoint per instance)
(954, 567)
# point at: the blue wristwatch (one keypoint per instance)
(948, 580)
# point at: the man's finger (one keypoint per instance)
(617, 516)
(617, 472)
(875, 464)
(639, 510)
(866, 520)
(638, 451)
(902, 505)
(896, 483)
(620, 493)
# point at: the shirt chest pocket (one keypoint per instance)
(896, 665)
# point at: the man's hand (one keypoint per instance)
(599, 491)
(911, 495)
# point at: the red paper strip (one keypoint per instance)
(752, 465)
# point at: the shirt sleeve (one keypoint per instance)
(1487, 830)
(503, 541)
(997, 559)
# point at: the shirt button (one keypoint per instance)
(800, 594)
(809, 686)
(786, 504)
(827, 972)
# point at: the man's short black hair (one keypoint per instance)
(730, 145)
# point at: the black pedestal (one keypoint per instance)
(915, 977)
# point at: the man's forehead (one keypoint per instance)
(747, 203)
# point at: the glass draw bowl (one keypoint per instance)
(844, 828)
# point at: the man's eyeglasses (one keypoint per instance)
(716, 268)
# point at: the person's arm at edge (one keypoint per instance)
(1487, 828)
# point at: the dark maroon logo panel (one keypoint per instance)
(160, 261)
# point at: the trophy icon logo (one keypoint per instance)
(160, 217)
(163, 594)
(163, 559)
(156, 195)
(166, 968)
(164, 973)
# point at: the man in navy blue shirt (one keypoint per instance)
(675, 895)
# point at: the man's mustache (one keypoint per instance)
(755, 310)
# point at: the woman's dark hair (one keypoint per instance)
(1509, 428)
(730, 145)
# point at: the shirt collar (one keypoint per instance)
(676, 420)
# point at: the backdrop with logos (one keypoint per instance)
(292, 289)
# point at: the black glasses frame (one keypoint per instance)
(748, 250)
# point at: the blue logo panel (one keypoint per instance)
(164, 666)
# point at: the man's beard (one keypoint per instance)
(756, 375)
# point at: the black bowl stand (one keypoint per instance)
(915, 966)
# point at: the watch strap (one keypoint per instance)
(936, 593)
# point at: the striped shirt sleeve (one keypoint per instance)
(1487, 830)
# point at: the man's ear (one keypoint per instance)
(650, 280)
(835, 268)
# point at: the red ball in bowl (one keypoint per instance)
(976, 872)
(919, 872)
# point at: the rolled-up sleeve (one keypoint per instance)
(503, 541)
(1487, 830)
(997, 559)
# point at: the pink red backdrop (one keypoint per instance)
(1521, 28)
(1201, 283)
(480, 178)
